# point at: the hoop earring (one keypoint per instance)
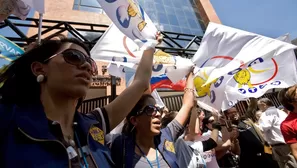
(40, 78)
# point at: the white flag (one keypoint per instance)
(116, 70)
(233, 65)
(131, 19)
(158, 99)
(154, 93)
(115, 47)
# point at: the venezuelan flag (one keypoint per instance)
(163, 81)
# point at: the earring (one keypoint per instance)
(40, 78)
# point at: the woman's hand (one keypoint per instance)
(159, 37)
(234, 134)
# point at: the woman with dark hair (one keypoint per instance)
(143, 143)
(191, 157)
(39, 122)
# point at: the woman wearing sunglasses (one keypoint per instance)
(143, 143)
(39, 122)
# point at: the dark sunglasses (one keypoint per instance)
(77, 58)
(150, 110)
(211, 121)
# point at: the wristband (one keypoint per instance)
(151, 44)
(189, 90)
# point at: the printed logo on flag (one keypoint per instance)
(242, 76)
(131, 13)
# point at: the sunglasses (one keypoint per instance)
(211, 121)
(150, 110)
(77, 58)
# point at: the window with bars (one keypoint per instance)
(87, 6)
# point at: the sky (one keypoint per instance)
(8, 32)
(271, 18)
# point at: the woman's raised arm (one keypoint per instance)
(118, 109)
(188, 101)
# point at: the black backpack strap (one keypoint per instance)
(118, 151)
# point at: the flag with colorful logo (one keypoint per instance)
(131, 19)
(233, 65)
(116, 48)
(9, 51)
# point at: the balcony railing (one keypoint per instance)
(175, 43)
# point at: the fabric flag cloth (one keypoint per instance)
(233, 65)
(9, 51)
(116, 70)
(158, 99)
(163, 81)
(131, 19)
(284, 38)
(154, 93)
(125, 52)
(19, 8)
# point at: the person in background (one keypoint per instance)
(42, 91)
(222, 148)
(191, 157)
(143, 143)
(283, 109)
(250, 138)
(201, 116)
(258, 115)
(228, 148)
(288, 98)
(269, 123)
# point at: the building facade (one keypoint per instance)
(180, 16)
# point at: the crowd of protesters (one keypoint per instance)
(41, 126)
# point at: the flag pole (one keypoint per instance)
(40, 27)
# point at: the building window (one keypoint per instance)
(178, 16)
(87, 6)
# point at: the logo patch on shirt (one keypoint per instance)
(169, 146)
(97, 134)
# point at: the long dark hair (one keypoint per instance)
(205, 121)
(128, 126)
(20, 85)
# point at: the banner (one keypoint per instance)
(116, 48)
(131, 19)
(233, 65)
(9, 51)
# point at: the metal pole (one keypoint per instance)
(113, 88)
(40, 27)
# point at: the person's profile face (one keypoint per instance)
(232, 114)
(147, 123)
(262, 106)
(63, 77)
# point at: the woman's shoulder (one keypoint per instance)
(6, 115)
